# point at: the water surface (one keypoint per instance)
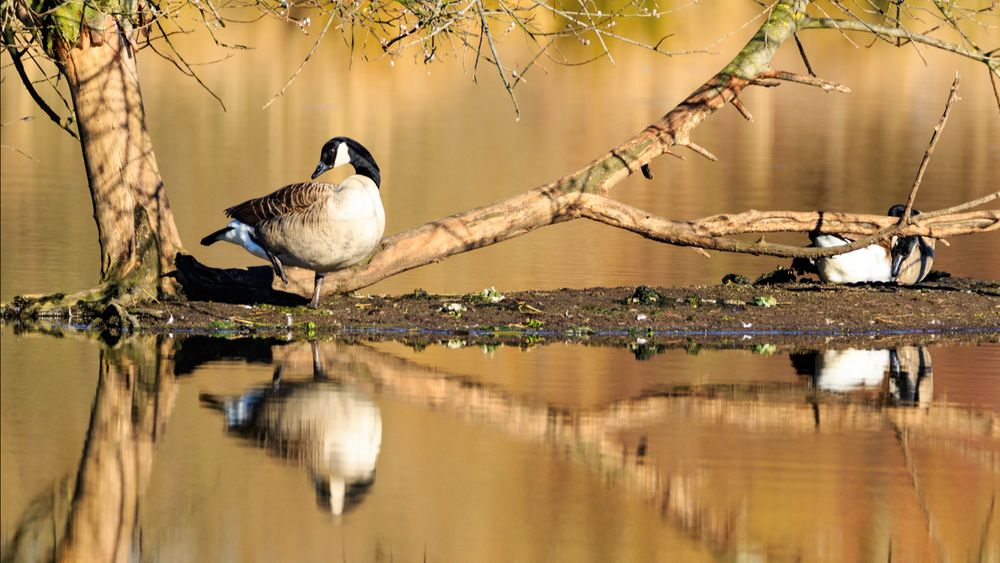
(195, 448)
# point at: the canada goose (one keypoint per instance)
(844, 370)
(333, 430)
(912, 256)
(869, 264)
(911, 375)
(908, 369)
(905, 260)
(314, 225)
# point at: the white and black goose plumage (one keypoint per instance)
(314, 225)
(904, 260)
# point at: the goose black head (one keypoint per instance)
(904, 246)
(339, 151)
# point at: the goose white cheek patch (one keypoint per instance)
(342, 156)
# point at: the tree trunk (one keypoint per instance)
(135, 225)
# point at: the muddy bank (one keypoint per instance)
(792, 312)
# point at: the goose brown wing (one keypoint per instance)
(291, 199)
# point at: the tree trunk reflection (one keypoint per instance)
(135, 395)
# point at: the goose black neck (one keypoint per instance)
(363, 161)
(367, 167)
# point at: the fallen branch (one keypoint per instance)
(480, 227)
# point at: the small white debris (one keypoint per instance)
(455, 309)
(747, 337)
(746, 325)
(640, 341)
(288, 319)
(455, 343)
(491, 295)
(170, 320)
(641, 317)
(247, 306)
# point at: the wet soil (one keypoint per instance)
(950, 308)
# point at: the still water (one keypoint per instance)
(210, 449)
(194, 448)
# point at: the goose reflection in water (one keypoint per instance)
(906, 370)
(334, 430)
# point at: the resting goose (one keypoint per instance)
(912, 256)
(314, 225)
(904, 260)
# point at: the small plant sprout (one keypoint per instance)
(764, 301)
(534, 323)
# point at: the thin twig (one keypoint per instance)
(959, 208)
(309, 55)
(742, 109)
(952, 96)
(16, 59)
(802, 52)
(700, 150)
(826, 85)
(19, 151)
(828, 23)
(496, 57)
(996, 90)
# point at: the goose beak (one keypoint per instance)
(897, 264)
(320, 168)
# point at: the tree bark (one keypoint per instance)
(135, 225)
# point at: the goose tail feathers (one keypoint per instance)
(216, 236)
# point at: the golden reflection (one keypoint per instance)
(901, 375)
(333, 430)
(134, 398)
(709, 468)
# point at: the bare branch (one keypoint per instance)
(802, 53)
(16, 59)
(952, 97)
(699, 149)
(826, 85)
(19, 151)
(850, 25)
(496, 57)
(742, 109)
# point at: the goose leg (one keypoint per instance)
(278, 268)
(319, 283)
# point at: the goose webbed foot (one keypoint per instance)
(319, 284)
(279, 270)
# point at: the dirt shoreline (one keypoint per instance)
(719, 315)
